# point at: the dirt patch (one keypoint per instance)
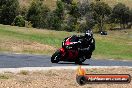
(24, 2)
(60, 79)
(129, 43)
(25, 46)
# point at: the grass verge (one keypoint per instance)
(116, 45)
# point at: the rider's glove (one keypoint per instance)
(84, 49)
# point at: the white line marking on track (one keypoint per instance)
(16, 70)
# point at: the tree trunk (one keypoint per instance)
(102, 23)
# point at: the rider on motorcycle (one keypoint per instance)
(88, 44)
(75, 48)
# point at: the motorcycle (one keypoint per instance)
(70, 51)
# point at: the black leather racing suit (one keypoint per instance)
(87, 47)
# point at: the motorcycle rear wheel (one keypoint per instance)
(56, 57)
(80, 60)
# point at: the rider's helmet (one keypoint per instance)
(89, 34)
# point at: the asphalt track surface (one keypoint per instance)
(28, 60)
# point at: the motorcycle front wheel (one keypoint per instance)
(56, 57)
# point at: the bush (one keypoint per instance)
(9, 9)
(69, 28)
(73, 27)
(19, 21)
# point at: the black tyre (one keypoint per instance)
(80, 60)
(56, 57)
(88, 56)
(83, 60)
(81, 80)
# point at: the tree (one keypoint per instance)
(73, 16)
(55, 18)
(9, 9)
(59, 11)
(120, 14)
(90, 21)
(37, 14)
(101, 12)
(71, 24)
(53, 21)
(74, 10)
(84, 7)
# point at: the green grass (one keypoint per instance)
(116, 45)
(49, 37)
(17, 35)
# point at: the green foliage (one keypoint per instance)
(24, 11)
(9, 9)
(56, 17)
(53, 21)
(60, 9)
(73, 27)
(71, 23)
(83, 27)
(130, 16)
(68, 15)
(19, 21)
(84, 8)
(72, 15)
(71, 20)
(90, 21)
(120, 14)
(74, 10)
(37, 14)
(101, 11)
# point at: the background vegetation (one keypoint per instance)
(68, 15)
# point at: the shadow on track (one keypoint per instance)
(72, 63)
